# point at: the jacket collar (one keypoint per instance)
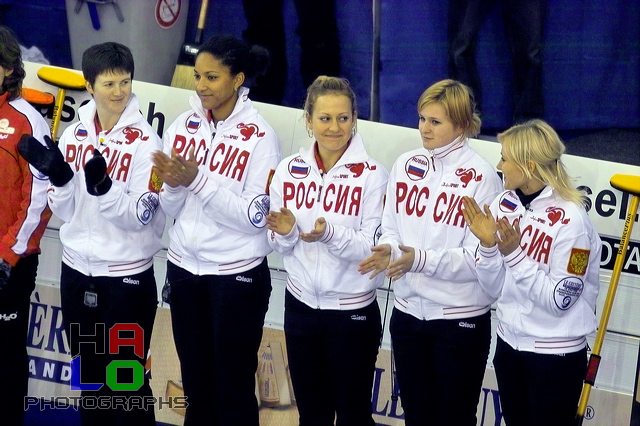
(355, 153)
(547, 192)
(243, 108)
(130, 115)
(454, 153)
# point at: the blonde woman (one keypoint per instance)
(540, 254)
(441, 321)
(326, 204)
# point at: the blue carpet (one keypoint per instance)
(58, 417)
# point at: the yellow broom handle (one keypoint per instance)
(627, 184)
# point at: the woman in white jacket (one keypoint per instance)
(441, 322)
(540, 254)
(217, 160)
(326, 207)
(103, 189)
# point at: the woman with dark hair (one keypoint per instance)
(11, 63)
(23, 218)
(217, 162)
(112, 228)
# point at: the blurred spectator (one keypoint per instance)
(523, 25)
(320, 50)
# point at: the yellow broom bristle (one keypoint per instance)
(183, 77)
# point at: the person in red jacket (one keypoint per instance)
(23, 218)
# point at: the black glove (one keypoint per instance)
(5, 273)
(95, 174)
(46, 159)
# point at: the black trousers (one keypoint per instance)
(332, 358)
(217, 325)
(523, 24)
(538, 389)
(440, 365)
(131, 300)
(318, 32)
(14, 320)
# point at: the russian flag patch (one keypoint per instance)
(81, 133)
(507, 205)
(415, 171)
(193, 123)
(417, 167)
(299, 170)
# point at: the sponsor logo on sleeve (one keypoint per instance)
(567, 292)
(147, 205)
(258, 211)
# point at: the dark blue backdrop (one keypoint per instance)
(591, 58)
(591, 55)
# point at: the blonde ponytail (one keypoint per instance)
(537, 142)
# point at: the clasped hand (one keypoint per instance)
(379, 261)
(490, 231)
(282, 223)
(176, 170)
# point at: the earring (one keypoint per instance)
(310, 132)
(353, 131)
(235, 89)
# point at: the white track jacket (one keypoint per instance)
(547, 287)
(350, 196)
(118, 233)
(221, 216)
(424, 211)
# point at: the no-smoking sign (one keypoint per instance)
(167, 12)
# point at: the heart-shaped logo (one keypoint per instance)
(554, 216)
(356, 169)
(247, 132)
